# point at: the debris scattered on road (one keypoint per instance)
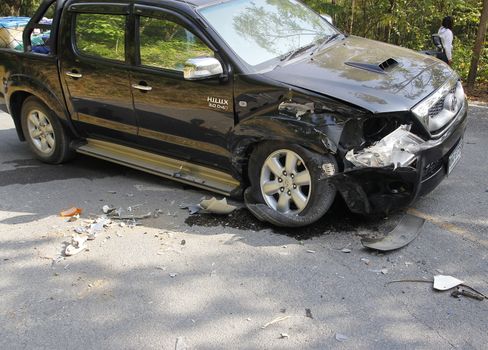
(77, 245)
(446, 283)
(183, 242)
(365, 260)
(107, 209)
(383, 271)
(405, 232)
(173, 275)
(71, 212)
(131, 217)
(74, 218)
(308, 313)
(346, 250)
(442, 282)
(311, 251)
(466, 293)
(284, 335)
(211, 206)
(341, 337)
(181, 344)
(276, 320)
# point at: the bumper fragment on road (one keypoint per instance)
(405, 232)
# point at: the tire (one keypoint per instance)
(291, 199)
(44, 133)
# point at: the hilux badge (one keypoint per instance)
(219, 103)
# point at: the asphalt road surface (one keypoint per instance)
(202, 282)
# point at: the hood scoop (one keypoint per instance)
(381, 68)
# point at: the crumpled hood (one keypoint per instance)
(336, 72)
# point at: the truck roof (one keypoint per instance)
(195, 3)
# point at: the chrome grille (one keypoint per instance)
(439, 106)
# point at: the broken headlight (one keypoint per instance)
(398, 148)
(425, 108)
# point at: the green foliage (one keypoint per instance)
(101, 35)
(171, 54)
(410, 23)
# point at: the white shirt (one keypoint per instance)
(446, 38)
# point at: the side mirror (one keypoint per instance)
(202, 68)
(327, 17)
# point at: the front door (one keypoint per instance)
(95, 71)
(185, 119)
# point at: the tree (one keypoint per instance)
(18, 7)
(478, 46)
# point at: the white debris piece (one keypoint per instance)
(212, 206)
(442, 282)
(397, 148)
(341, 337)
(77, 245)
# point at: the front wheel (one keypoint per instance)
(44, 132)
(290, 181)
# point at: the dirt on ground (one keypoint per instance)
(479, 94)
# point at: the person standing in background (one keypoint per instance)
(445, 32)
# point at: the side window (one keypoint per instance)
(166, 44)
(101, 35)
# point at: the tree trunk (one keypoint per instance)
(353, 5)
(478, 46)
(10, 7)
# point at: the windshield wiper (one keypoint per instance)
(287, 56)
(325, 42)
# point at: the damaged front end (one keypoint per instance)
(393, 172)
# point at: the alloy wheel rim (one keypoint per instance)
(41, 132)
(286, 184)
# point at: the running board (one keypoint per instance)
(182, 171)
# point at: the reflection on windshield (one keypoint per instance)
(260, 31)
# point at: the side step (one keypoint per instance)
(182, 171)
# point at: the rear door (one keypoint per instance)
(185, 119)
(95, 70)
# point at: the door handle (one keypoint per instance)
(142, 87)
(74, 74)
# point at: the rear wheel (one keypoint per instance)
(44, 132)
(290, 181)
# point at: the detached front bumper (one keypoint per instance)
(384, 189)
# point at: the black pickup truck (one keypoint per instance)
(261, 99)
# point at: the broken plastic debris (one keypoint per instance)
(341, 337)
(276, 320)
(173, 275)
(71, 212)
(77, 245)
(74, 218)
(346, 250)
(181, 344)
(284, 335)
(365, 260)
(466, 293)
(311, 251)
(211, 206)
(80, 230)
(132, 217)
(405, 232)
(442, 282)
(397, 148)
(107, 209)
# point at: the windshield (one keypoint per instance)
(263, 32)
